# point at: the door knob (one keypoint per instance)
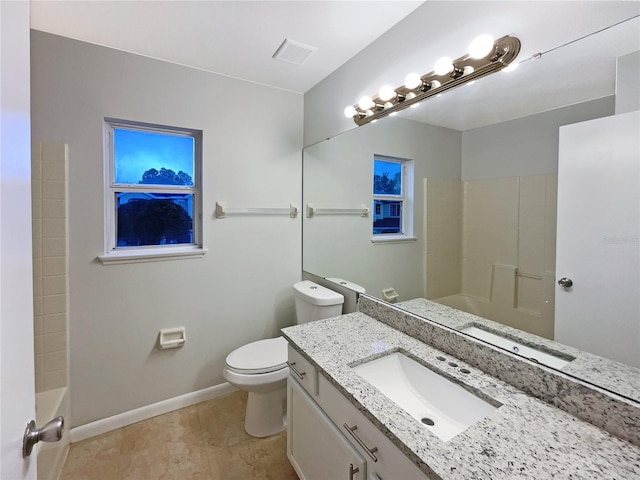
(565, 282)
(51, 432)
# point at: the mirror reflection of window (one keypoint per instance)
(390, 195)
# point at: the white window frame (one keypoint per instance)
(406, 197)
(116, 255)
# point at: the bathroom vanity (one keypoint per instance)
(328, 437)
(341, 426)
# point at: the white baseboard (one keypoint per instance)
(143, 413)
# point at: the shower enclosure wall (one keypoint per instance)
(50, 296)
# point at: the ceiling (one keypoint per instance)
(238, 38)
(233, 38)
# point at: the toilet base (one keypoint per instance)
(266, 412)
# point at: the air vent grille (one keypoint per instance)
(294, 52)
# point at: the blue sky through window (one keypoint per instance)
(393, 171)
(381, 166)
(137, 151)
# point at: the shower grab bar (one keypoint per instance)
(528, 275)
(222, 211)
(312, 211)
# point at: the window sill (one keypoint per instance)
(151, 255)
(393, 239)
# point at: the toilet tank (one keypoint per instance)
(315, 302)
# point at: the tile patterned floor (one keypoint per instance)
(206, 441)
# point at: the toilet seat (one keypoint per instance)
(263, 356)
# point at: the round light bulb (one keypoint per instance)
(387, 93)
(435, 84)
(443, 66)
(366, 103)
(481, 46)
(412, 81)
(350, 112)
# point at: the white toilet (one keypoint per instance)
(260, 367)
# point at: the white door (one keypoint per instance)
(598, 237)
(16, 294)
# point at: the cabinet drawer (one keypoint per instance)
(383, 457)
(302, 370)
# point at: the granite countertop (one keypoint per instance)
(524, 438)
(617, 377)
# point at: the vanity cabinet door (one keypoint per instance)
(384, 460)
(316, 448)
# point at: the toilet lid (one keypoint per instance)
(259, 357)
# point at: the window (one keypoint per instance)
(153, 195)
(392, 198)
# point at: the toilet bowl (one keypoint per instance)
(260, 367)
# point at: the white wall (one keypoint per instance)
(524, 146)
(239, 292)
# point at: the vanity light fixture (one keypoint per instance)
(485, 56)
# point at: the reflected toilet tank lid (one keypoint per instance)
(316, 294)
(346, 283)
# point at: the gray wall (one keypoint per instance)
(524, 146)
(239, 292)
(338, 173)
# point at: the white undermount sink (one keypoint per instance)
(442, 406)
(532, 353)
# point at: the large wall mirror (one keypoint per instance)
(480, 168)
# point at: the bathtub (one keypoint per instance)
(465, 303)
(540, 324)
(51, 456)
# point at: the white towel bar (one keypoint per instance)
(312, 211)
(222, 211)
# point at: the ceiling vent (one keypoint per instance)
(293, 52)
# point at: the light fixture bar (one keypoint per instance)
(465, 69)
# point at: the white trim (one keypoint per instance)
(111, 188)
(143, 413)
(118, 257)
